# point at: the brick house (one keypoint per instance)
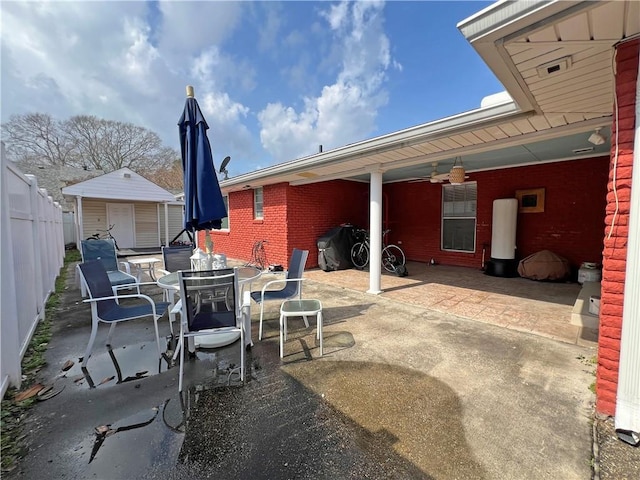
(570, 70)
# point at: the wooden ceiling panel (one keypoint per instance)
(497, 132)
(524, 126)
(484, 136)
(540, 123)
(575, 28)
(606, 21)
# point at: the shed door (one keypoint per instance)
(121, 216)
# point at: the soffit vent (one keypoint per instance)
(555, 67)
(578, 151)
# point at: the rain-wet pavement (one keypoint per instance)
(400, 392)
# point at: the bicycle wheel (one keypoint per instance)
(392, 256)
(360, 255)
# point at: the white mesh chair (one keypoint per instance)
(290, 286)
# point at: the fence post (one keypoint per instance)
(10, 336)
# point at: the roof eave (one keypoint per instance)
(490, 114)
(488, 30)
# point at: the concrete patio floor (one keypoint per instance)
(405, 389)
(541, 308)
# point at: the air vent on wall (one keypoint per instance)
(556, 66)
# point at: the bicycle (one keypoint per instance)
(105, 234)
(392, 255)
(258, 255)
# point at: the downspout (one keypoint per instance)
(627, 419)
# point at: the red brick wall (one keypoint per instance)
(294, 217)
(318, 207)
(571, 224)
(616, 229)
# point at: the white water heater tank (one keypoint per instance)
(503, 231)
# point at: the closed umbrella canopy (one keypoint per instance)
(204, 205)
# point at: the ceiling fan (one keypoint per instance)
(435, 176)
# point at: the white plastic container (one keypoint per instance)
(587, 273)
(503, 230)
(594, 304)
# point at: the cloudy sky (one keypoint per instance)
(274, 79)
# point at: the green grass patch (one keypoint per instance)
(12, 412)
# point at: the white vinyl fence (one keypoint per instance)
(32, 246)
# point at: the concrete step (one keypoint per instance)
(580, 314)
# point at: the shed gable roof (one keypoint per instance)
(123, 184)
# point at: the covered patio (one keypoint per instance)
(541, 308)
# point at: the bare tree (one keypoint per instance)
(37, 138)
(111, 145)
(85, 141)
(170, 177)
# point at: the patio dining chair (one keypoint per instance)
(104, 307)
(211, 312)
(105, 251)
(291, 285)
(176, 258)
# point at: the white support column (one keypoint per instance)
(375, 230)
(79, 222)
(166, 224)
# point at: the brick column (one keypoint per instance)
(616, 226)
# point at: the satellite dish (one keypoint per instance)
(223, 167)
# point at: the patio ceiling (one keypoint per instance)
(555, 60)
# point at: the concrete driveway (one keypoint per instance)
(402, 391)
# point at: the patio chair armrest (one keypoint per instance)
(162, 272)
(284, 280)
(125, 286)
(146, 283)
(120, 297)
(177, 308)
(127, 266)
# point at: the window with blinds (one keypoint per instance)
(459, 204)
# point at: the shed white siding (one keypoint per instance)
(176, 222)
(146, 222)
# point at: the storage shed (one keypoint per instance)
(143, 214)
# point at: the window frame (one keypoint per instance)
(258, 206)
(444, 217)
(225, 199)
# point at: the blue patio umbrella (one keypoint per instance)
(204, 205)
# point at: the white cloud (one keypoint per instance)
(319, 81)
(345, 111)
